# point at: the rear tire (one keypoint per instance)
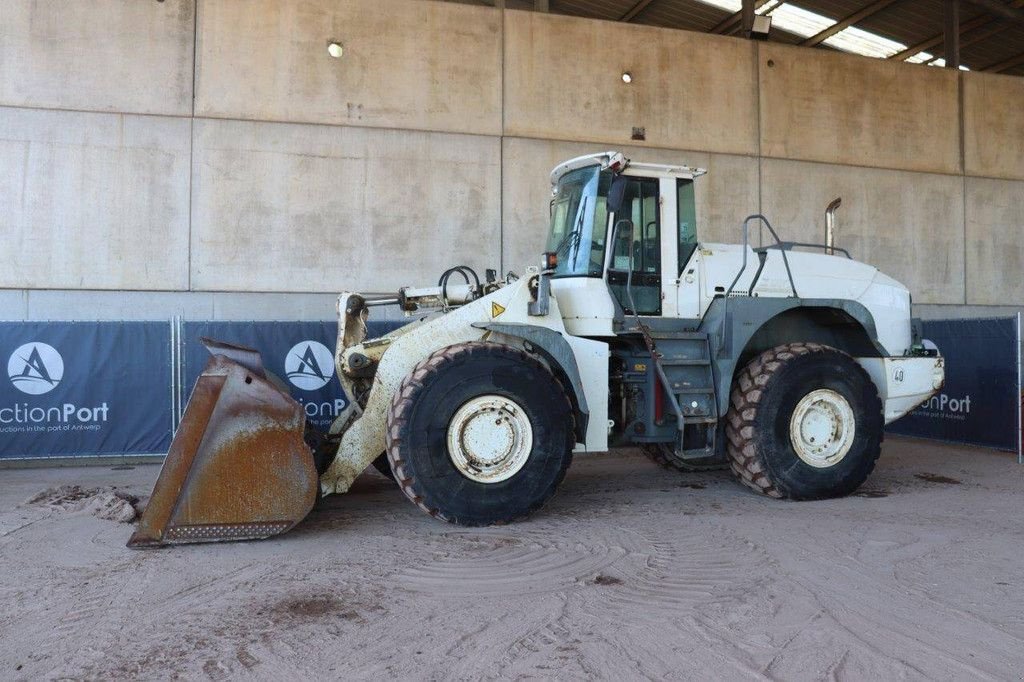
(663, 454)
(804, 423)
(479, 434)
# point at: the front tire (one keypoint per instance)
(804, 423)
(479, 434)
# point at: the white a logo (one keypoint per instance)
(35, 368)
(309, 365)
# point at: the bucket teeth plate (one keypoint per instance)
(238, 468)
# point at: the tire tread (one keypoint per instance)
(404, 399)
(748, 389)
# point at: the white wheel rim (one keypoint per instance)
(822, 428)
(489, 439)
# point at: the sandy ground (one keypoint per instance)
(630, 572)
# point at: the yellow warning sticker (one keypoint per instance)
(496, 309)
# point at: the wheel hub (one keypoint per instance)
(822, 428)
(489, 439)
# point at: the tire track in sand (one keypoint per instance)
(505, 563)
(631, 571)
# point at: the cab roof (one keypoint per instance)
(619, 163)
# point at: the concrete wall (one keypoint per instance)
(97, 55)
(93, 201)
(563, 81)
(858, 111)
(419, 65)
(209, 158)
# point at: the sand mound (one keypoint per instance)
(105, 503)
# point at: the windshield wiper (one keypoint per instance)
(572, 239)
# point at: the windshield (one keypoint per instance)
(579, 220)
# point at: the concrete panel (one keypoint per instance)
(97, 55)
(726, 195)
(994, 125)
(995, 241)
(689, 90)
(65, 304)
(246, 306)
(118, 305)
(959, 312)
(821, 106)
(283, 207)
(408, 64)
(13, 305)
(908, 225)
(93, 201)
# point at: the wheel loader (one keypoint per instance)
(782, 361)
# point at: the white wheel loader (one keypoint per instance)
(782, 362)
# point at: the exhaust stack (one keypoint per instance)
(830, 225)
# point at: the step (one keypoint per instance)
(699, 420)
(681, 362)
(681, 336)
(697, 453)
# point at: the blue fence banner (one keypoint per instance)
(85, 389)
(80, 389)
(300, 353)
(980, 403)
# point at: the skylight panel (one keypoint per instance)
(805, 23)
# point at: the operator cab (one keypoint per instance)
(608, 220)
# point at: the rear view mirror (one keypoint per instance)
(616, 192)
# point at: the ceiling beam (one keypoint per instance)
(848, 21)
(731, 21)
(747, 17)
(994, 27)
(951, 33)
(974, 23)
(1000, 9)
(1006, 64)
(635, 10)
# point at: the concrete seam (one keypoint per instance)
(760, 156)
(192, 136)
(109, 112)
(963, 171)
(503, 136)
(963, 207)
(330, 292)
(501, 156)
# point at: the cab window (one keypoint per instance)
(687, 207)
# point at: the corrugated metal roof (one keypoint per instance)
(994, 42)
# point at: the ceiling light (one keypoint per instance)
(335, 49)
(762, 27)
(627, 77)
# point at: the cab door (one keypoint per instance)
(664, 258)
(687, 255)
(637, 254)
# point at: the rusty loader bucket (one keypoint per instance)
(238, 468)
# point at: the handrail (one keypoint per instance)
(746, 243)
(788, 246)
(726, 337)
